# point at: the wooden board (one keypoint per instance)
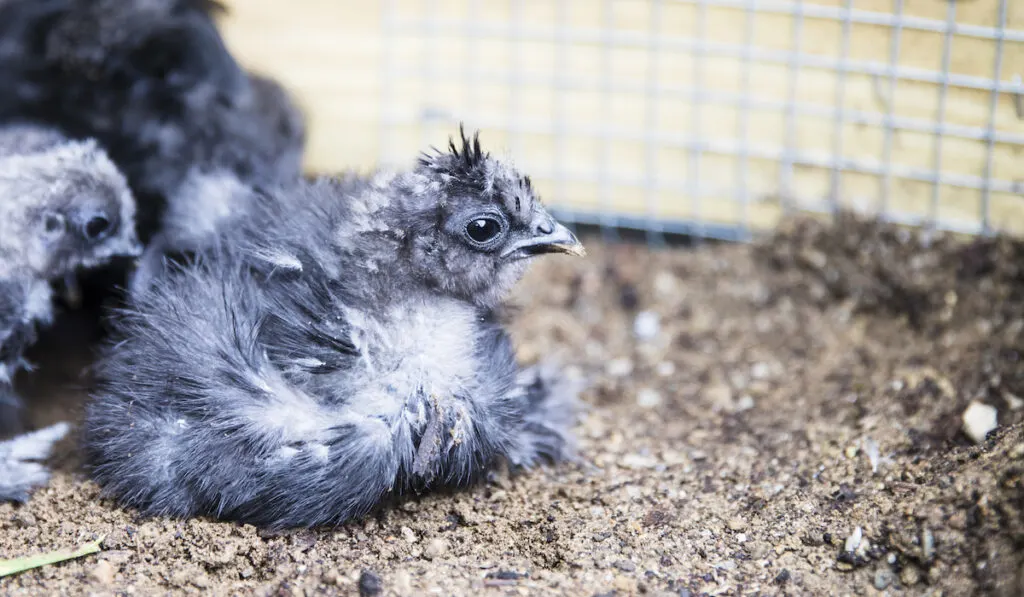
(596, 100)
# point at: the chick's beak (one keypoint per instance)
(552, 238)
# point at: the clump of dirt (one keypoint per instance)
(777, 418)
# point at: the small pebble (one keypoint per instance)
(746, 402)
(403, 583)
(873, 453)
(331, 577)
(435, 549)
(910, 576)
(854, 540)
(409, 535)
(759, 549)
(665, 283)
(648, 398)
(624, 585)
(646, 326)
(628, 298)
(625, 565)
(620, 367)
(927, 544)
(979, 420)
(884, 578)
(718, 394)
(638, 461)
(761, 371)
(103, 572)
(665, 368)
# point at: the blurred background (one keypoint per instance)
(678, 116)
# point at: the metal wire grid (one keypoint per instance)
(400, 22)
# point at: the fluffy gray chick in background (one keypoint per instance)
(342, 347)
(64, 206)
(154, 83)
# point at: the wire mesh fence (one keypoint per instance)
(716, 117)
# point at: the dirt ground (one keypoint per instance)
(783, 418)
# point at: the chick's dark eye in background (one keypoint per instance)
(483, 230)
(97, 227)
(54, 223)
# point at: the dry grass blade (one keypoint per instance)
(9, 567)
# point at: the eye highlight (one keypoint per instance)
(483, 230)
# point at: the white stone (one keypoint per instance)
(979, 420)
(746, 402)
(666, 368)
(646, 325)
(874, 455)
(761, 371)
(854, 540)
(665, 284)
(648, 398)
(620, 367)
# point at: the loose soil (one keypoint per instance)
(788, 421)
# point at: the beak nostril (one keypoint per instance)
(97, 228)
(545, 227)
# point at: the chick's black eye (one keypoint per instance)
(53, 223)
(483, 230)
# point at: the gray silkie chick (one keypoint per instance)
(64, 206)
(154, 83)
(341, 348)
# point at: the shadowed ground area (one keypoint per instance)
(779, 418)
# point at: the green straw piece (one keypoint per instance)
(8, 567)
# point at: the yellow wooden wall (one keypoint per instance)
(335, 56)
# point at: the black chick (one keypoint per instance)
(64, 207)
(215, 192)
(153, 82)
(341, 347)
